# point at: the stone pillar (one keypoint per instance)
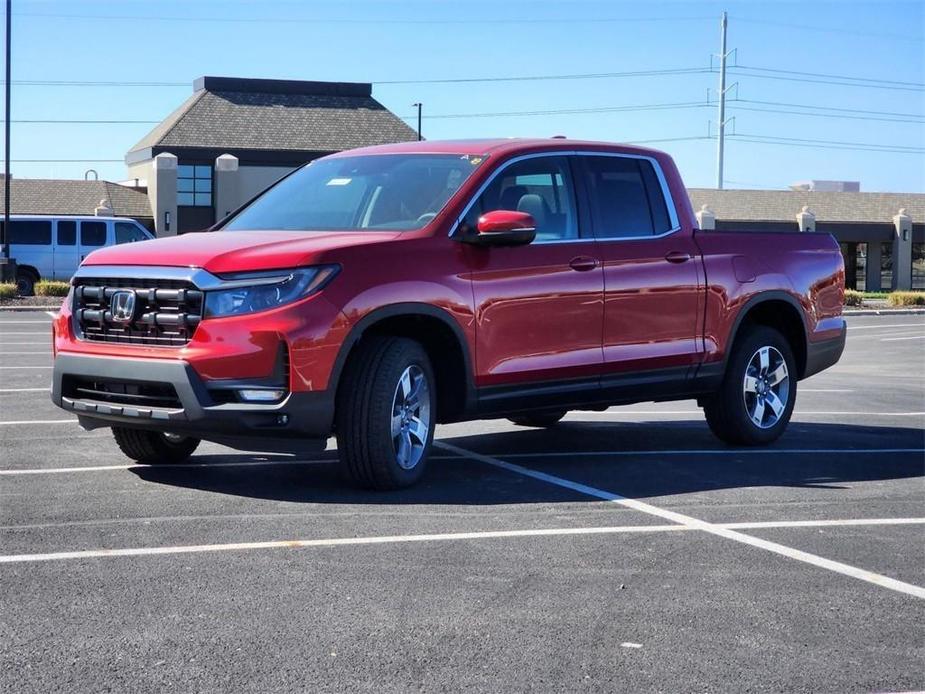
(162, 193)
(226, 186)
(706, 219)
(902, 251)
(104, 209)
(873, 267)
(806, 220)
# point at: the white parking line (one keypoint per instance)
(705, 451)
(891, 325)
(546, 454)
(435, 537)
(37, 334)
(897, 339)
(24, 322)
(826, 390)
(25, 390)
(39, 421)
(25, 367)
(172, 466)
(51, 314)
(697, 524)
(802, 413)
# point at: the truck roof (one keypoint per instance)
(488, 146)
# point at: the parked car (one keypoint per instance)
(376, 292)
(52, 247)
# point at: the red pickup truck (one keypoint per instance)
(376, 292)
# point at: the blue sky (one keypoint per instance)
(384, 41)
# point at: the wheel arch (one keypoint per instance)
(443, 340)
(778, 310)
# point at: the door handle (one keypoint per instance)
(582, 263)
(677, 257)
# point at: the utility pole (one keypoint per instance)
(4, 246)
(721, 130)
(419, 105)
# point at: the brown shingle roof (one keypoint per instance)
(60, 196)
(783, 205)
(230, 113)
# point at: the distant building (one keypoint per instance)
(827, 186)
(882, 235)
(234, 137)
(66, 197)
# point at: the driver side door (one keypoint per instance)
(538, 307)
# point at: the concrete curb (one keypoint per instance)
(884, 312)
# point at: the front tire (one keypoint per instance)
(25, 282)
(386, 413)
(154, 447)
(754, 403)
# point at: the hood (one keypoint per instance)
(235, 251)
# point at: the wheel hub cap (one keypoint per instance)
(766, 387)
(410, 417)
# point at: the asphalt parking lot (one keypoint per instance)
(622, 551)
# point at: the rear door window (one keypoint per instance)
(627, 200)
(29, 232)
(129, 233)
(93, 233)
(67, 233)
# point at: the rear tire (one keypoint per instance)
(385, 413)
(540, 420)
(755, 401)
(25, 282)
(154, 447)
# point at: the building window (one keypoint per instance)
(855, 255)
(886, 265)
(918, 265)
(194, 186)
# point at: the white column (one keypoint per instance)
(806, 220)
(706, 219)
(162, 193)
(902, 251)
(226, 186)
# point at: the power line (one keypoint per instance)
(83, 122)
(531, 78)
(355, 20)
(736, 71)
(572, 111)
(830, 76)
(826, 144)
(831, 108)
(825, 115)
(830, 30)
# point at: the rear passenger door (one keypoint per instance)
(30, 245)
(538, 307)
(651, 272)
(66, 257)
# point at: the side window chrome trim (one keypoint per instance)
(663, 182)
(497, 172)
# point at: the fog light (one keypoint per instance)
(261, 395)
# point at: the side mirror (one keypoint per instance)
(505, 228)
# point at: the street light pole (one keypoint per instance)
(721, 130)
(419, 106)
(4, 246)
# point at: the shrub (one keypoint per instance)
(8, 290)
(853, 297)
(907, 299)
(51, 288)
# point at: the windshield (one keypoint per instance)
(385, 192)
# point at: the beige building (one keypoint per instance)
(234, 137)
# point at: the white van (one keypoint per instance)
(51, 247)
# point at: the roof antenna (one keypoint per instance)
(559, 137)
(87, 173)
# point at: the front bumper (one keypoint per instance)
(302, 420)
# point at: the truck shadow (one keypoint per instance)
(639, 460)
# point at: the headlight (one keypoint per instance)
(248, 292)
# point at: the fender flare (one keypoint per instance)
(410, 309)
(761, 298)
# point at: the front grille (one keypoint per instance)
(135, 393)
(166, 311)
